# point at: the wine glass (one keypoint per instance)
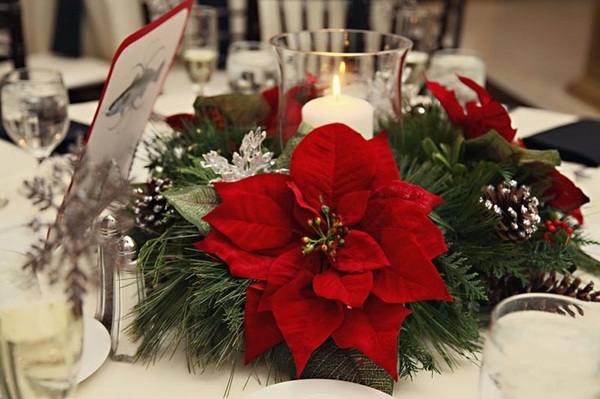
(199, 47)
(35, 109)
(40, 335)
(542, 346)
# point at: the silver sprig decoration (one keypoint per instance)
(249, 161)
(66, 245)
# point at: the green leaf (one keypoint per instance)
(493, 147)
(239, 108)
(193, 203)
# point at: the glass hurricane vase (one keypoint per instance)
(339, 75)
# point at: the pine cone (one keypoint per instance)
(151, 207)
(542, 282)
(517, 208)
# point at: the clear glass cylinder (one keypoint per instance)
(367, 64)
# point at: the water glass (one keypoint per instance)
(35, 109)
(446, 64)
(199, 47)
(542, 346)
(40, 336)
(421, 25)
(251, 66)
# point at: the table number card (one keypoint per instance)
(136, 76)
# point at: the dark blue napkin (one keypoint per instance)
(76, 132)
(576, 142)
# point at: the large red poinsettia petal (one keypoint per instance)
(360, 253)
(412, 276)
(350, 289)
(331, 161)
(565, 195)
(421, 198)
(352, 206)
(245, 215)
(304, 319)
(261, 331)
(273, 185)
(387, 168)
(241, 263)
(374, 332)
(408, 216)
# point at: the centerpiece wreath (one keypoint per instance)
(346, 258)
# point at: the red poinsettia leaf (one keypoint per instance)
(261, 331)
(253, 222)
(304, 319)
(491, 116)
(271, 96)
(331, 161)
(448, 100)
(387, 169)
(565, 195)
(482, 93)
(421, 198)
(350, 289)
(181, 121)
(241, 263)
(283, 270)
(303, 211)
(352, 206)
(272, 185)
(384, 213)
(359, 254)
(412, 276)
(374, 331)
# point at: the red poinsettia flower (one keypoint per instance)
(476, 119)
(337, 248)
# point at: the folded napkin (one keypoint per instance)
(76, 130)
(576, 142)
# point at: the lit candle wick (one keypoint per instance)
(336, 87)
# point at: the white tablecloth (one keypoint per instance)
(169, 377)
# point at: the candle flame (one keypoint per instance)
(342, 67)
(336, 87)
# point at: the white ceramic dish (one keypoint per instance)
(317, 389)
(96, 346)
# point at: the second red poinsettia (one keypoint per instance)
(478, 118)
(337, 248)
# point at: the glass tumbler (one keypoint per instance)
(542, 346)
(446, 64)
(251, 66)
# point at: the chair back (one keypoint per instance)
(10, 17)
(276, 16)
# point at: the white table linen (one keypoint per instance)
(169, 377)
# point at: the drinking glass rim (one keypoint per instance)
(51, 75)
(407, 44)
(498, 310)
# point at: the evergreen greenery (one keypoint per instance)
(194, 301)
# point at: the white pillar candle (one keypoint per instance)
(354, 112)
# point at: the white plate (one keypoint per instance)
(96, 346)
(317, 389)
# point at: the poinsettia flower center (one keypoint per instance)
(330, 232)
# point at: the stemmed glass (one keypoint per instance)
(35, 109)
(40, 335)
(199, 46)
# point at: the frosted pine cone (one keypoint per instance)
(517, 208)
(151, 207)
